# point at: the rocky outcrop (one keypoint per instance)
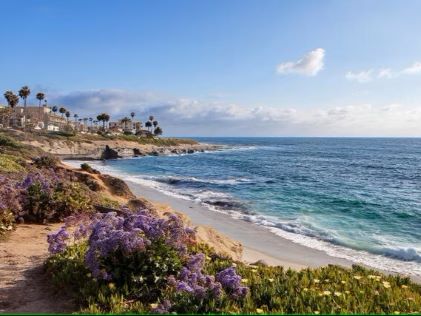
(109, 153)
(112, 149)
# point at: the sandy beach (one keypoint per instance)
(258, 242)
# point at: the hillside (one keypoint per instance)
(92, 146)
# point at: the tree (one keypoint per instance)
(67, 116)
(104, 117)
(155, 123)
(148, 124)
(12, 100)
(90, 120)
(62, 110)
(125, 121)
(75, 116)
(132, 114)
(158, 131)
(54, 109)
(151, 118)
(40, 96)
(24, 93)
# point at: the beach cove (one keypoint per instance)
(205, 200)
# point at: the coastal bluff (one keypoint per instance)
(96, 149)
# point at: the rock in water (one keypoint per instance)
(109, 153)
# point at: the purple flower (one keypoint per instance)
(57, 241)
(162, 308)
(231, 282)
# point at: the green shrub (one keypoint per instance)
(45, 162)
(7, 222)
(70, 198)
(9, 163)
(7, 141)
(86, 167)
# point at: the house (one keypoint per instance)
(121, 126)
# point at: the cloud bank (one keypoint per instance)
(191, 117)
(310, 65)
(365, 76)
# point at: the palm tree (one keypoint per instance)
(158, 131)
(24, 93)
(148, 124)
(67, 116)
(62, 110)
(90, 120)
(40, 96)
(155, 123)
(151, 118)
(125, 121)
(75, 116)
(132, 114)
(54, 109)
(104, 117)
(12, 100)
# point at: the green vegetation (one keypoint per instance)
(9, 163)
(7, 141)
(326, 290)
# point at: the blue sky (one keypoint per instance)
(255, 68)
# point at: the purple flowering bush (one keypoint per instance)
(46, 197)
(143, 258)
(10, 207)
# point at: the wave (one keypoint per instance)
(388, 258)
(174, 180)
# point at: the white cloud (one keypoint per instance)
(309, 65)
(385, 73)
(361, 77)
(191, 117)
(415, 68)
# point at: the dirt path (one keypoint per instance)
(24, 287)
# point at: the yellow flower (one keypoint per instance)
(327, 280)
(305, 289)
(404, 286)
(386, 284)
(338, 294)
(343, 282)
(357, 277)
(111, 286)
(244, 280)
(254, 270)
(371, 276)
(396, 312)
(347, 292)
(153, 305)
(316, 280)
(208, 258)
(316, 312)
(376, 293)
(259, 311)
(327, 293)
(253, 266)
(271, 280)
(234, 264)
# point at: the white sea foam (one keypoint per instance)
(393, 259)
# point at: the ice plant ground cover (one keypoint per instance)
(134, 261)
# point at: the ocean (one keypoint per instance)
(354, 198)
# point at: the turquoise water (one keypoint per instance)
(354, 198)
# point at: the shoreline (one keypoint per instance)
(259, 242)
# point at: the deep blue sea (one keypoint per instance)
(355, 198)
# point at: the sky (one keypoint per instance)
(223, 68)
